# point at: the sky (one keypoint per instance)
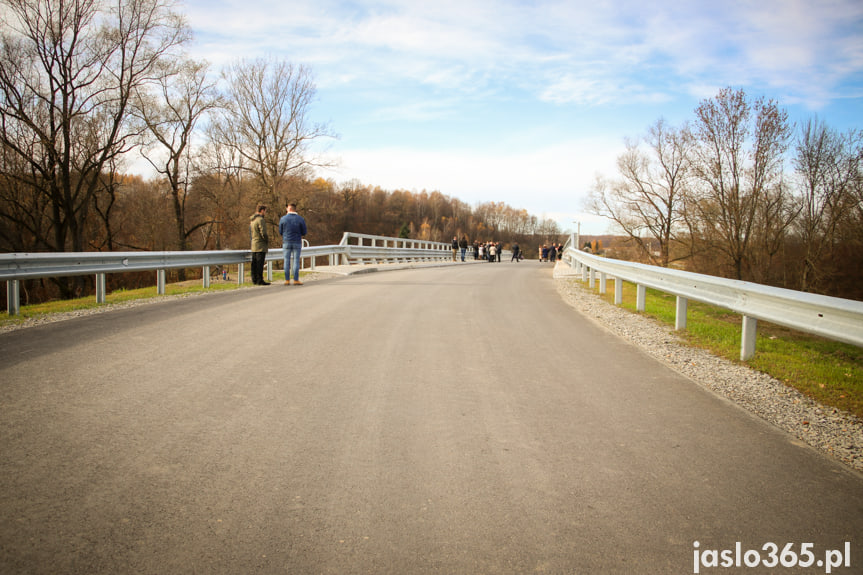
(528, 101)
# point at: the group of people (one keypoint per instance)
(490, 251)
(292, 228)
(487, 251)
(550, 253)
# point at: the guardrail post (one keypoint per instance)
(602, 282)
(241, 273)
(160, 282)
(205, 274)
(747, 342)
(100, 288)
(680, 315)
(641, 298)
(618, 291)
(13, 299)
(592, 281)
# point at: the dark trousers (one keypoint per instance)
(258, 259)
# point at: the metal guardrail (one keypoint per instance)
(834, 318)
(15, 267)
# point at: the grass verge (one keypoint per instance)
(829, 372)
(115, 297)
(123, 295)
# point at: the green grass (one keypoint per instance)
(115, 297)
(123, 295)
(827, 371)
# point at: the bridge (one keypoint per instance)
(456, 419)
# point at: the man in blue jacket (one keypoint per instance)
(292, 227)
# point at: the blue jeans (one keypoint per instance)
(292, 267)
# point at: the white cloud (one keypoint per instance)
(565, 52)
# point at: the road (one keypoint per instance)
(448, 420)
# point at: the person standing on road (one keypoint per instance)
(292, 227)
(463, 245)
(260, 244)
(515, 249)
(454, 248)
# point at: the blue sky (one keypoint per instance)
(526, 101)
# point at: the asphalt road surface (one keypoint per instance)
(452, 420)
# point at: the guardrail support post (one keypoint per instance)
(641, 298)
(747, 343)
(592, 281)
(618, 291)
(160, 282)
(100, 288)
(206, 276)
(241, 273)
(680, 316)
(603, 282)
(13, 299)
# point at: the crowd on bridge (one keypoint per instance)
(489, 251)
(550, 253)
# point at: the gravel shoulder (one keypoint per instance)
(831, 431)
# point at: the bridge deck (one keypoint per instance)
(443, 420)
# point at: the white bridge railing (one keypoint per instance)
(834, 318)
(353, 249)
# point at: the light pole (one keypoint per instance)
(577, 238)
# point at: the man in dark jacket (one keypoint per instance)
(292, 226)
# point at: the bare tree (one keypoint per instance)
(828, 167)
(24, 216)
(171, 113)
(267, 122)
(68, 69)
(736, 177)
(647, 201)
(221, 185)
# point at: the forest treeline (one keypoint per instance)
(218, 211)
(742, 192)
